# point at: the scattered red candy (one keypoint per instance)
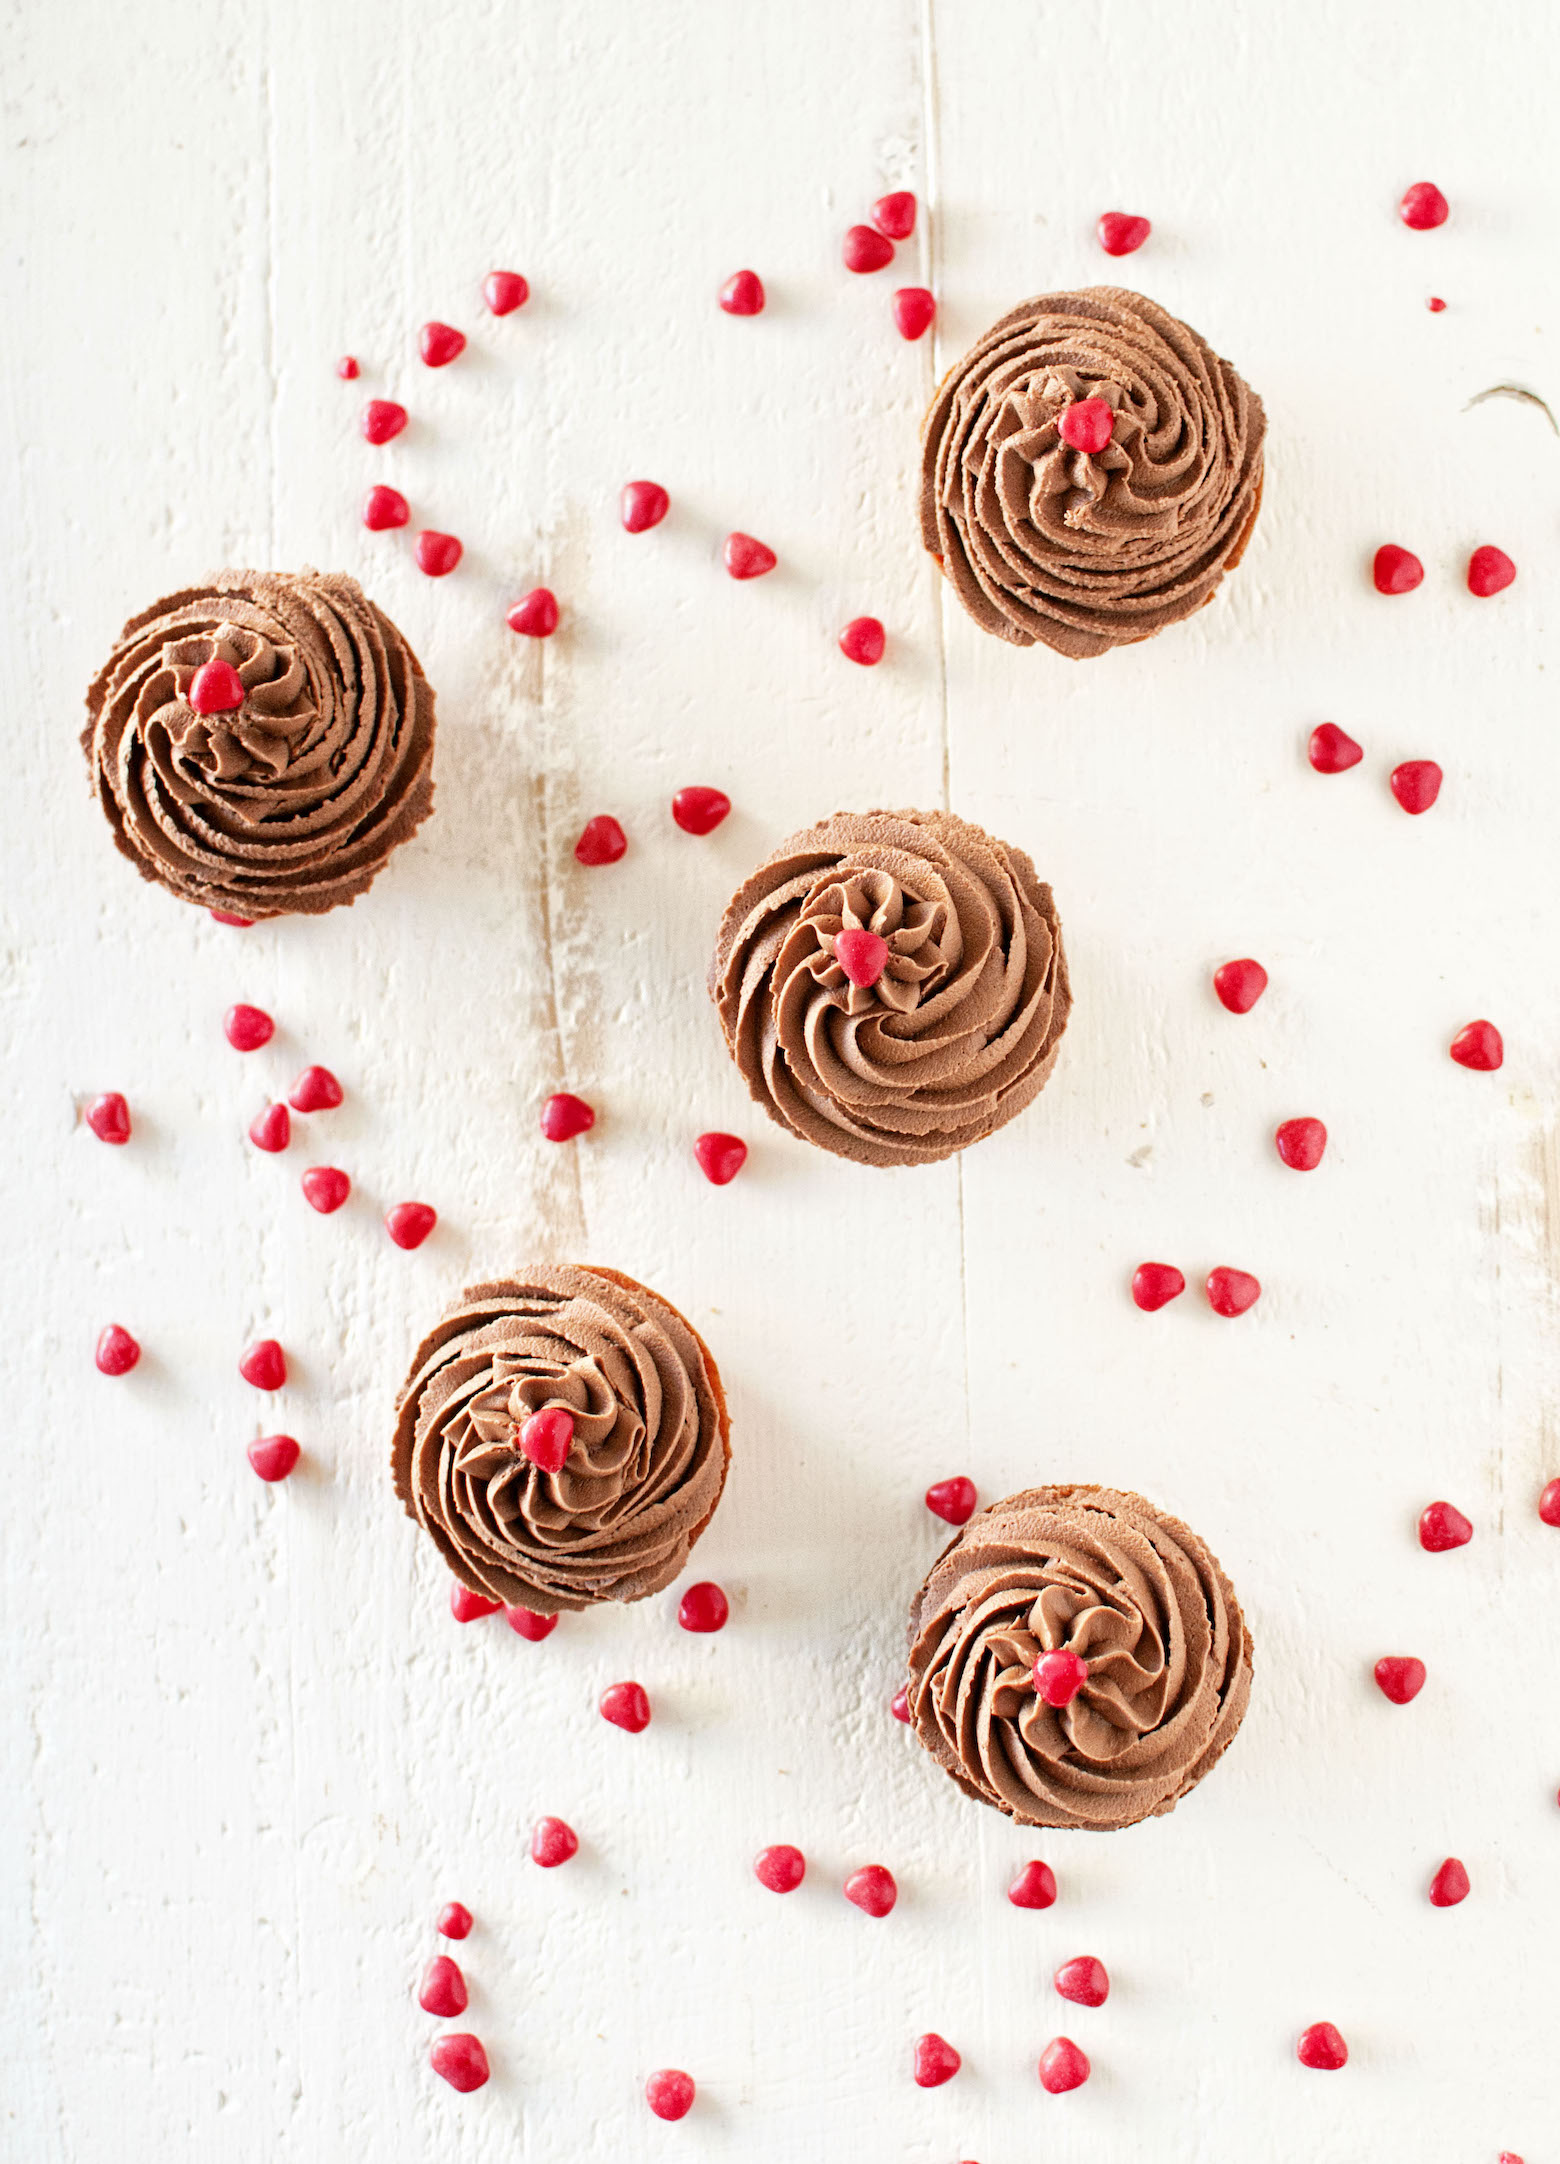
(1549, 1503)
(382, 420)
(553, 1842)
(565, 1116)
(216, 688)
(273, 1458)
(437, 553)
(936, 2061)
(1400, 1677)
(467, 1606)
(383, 508)
(951, 1500)
(862, 641)
(1122, 234)
(1231, 1292)
(743, 294)
(862, 955)
(703, 1608)
(547, 1437)
(864, 248)
(226, 916)
(899, 1706)
(443, 1988)
(698, 810)
(316, 1090)
(1479, 1045)
(271, 1129)
(602, 841)
(1034, 1887)
(1450, 1885)
(117, 1351)
(1396, 570)
(535, 615)
(1240, 984)
(347, 368)
(747, 558)
(1322, 2047)
(1086, 424)
(247, 1028)
(1490, 571)
(1443, 1526)
(1084, 1981)
(670, 2093)
(1332, 750)
(527, 1624)
(1156, 1284)
(643, 504)
(872, 1889)
(894, 215)
(409, 1223)
(504, 292)
(1060, 1676)
(1062, 2066)
(439, 344)
(325, 1188)
(720, 1157)
(264, 1365)
(1301, 1143)
(781, 1868)
(459, 2059)
(1423, 206)
(914, 309)
(1435, 304)
(108, 1117)
(626, 1705)
(1416, 784)
(453, 1921)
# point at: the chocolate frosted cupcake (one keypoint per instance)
(635, 1433)
(1089, 472)
(892, 985)
(1151, 1669)
(260, 744)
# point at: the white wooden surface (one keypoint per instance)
(248, 1753)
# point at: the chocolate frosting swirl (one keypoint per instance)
(959, 1032)
(1138, 1597)
(1088, 551)
(292, 802)
(646, 1465)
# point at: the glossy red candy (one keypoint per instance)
(384, 508)
(1155, 1285)
(1060, 1676)
(781, 1868)
(325, 1188)
(1549, 1503)
(899, 1706)
(443, 1988)
(274, 1456)
(952, 1500)
(1396, 570)
(264, 1365)
(936, 2061)
(1231, 1292)
(698, 810)
(872, 1889)
(1062, 2066)
(915, 307)
(453, 1921)
(1416, 784)
(704, 1608)
(504, 292)
(409, 1223)
(547, 1437)
(1490, 571)
(440, 343)
(117, 1351)
(1120, 233)
(643, 504)
(1084, 1981)
(1443, 1526)
(864, 248)
(1479, 1045)
(347, 368)
(1301, 1143)
(1034, 1887)
(602, 841)
(863, 641)
(1423, 206)
(894, 215)
(626, 1705)
(535, 615)
(437, 553)
(565, 1116)
(527, 1624)
(720, 1157)
(1086, 424)
(108, 1117)
(1399, 1677)
(746, 558)
(862, 955)
(316, 1090)
(382, 420)
(216, 688)
(469, 1607)
(1322, 2047)
(670, 2093)
(1332, 750)
(247, 1028)
(458, 2058)
(743, 294)
(553, 1842)
(1450, 1884)
(1240, 985)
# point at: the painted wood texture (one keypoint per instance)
(249, 1753)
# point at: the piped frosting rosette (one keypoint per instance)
(1133, 1593)
(1086, 550)
(292, 800)
(953, 1037)
(646, 1460)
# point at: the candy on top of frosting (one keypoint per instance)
(1137, 1597)
(1088, 550)
(646, 1460)
(953, 1038)
(292, 799)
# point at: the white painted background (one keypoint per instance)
(247, 1752)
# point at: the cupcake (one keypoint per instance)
(638, 1462)
(1154, 1669)
(261, 743)
(1089, 472)
(892, 985)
